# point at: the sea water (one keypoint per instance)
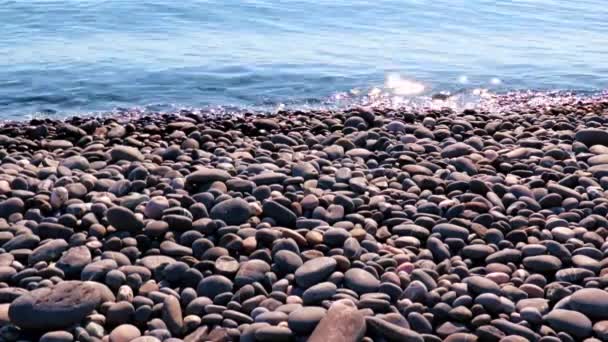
(65, 57)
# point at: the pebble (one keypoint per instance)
(287, 261)
(123, 219)
(356, 224)
(57, 307)
(124, 333)
(542, 263)
(592, 136)
(121, 152)
(303, 321)
(572, 322)
(479, 285)
(314, 271)
(282, 215)
(392, 332)
(318, 293)
(172, 315)
(233, 211)
(361, 281)
(591, 302)
(57, 336)
(214, 285)
(342, 323)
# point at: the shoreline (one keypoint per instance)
(357, 224)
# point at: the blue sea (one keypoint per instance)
(69, 57)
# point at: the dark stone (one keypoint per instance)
(314, 271)
(59, 307)
(233, 211)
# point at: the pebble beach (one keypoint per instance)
(358, 224)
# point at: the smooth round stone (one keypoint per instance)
(542, 263)
(343, 322)
(119, 313)
(49, 251)
(271, 317)
(155, 207)
(317, 293)
(562, 234)
(65, 304)
(250, 272)
(600, 329)
(361, 281)
(498, 277)
(477, 252)
(58, 144)
(419, 323)
(273, 334)
(532, 290)
(413, 230)
(76, 162)
(57, 336)
(335, 236)
(9, 294)
(124, 333)
(212, 318)
(448, 230)
(303, 321)
(173, 249)
(59, 196)
(573, 275)
(396, 126)
(98, 269)
(592, 136)
(146, 339)
(240, 185)
(11, 206)
(6, 272)
(360, 153)
(121, 152)
(226, 265)
(152, 262)
(479, 285)
(304, 170)
(456, 150)
(504, 256)
(392, 332)
(282, 215)
(6, 259)
(572, 322)
(234, 211)
(287, 261)
(593, 303)
(489, 333)
(214, 285)
(416, 291)
(172, 315)
(123, 219)
(586, 262)
(315, 271)
(269, 178)
(532, 315)
(598, 160)
(514, 338)
(156, 229)
(461, 337)
(206, 175)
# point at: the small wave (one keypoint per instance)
(397, 91)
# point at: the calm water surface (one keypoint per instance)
(65, 57)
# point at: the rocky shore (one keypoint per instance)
(354, 225)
